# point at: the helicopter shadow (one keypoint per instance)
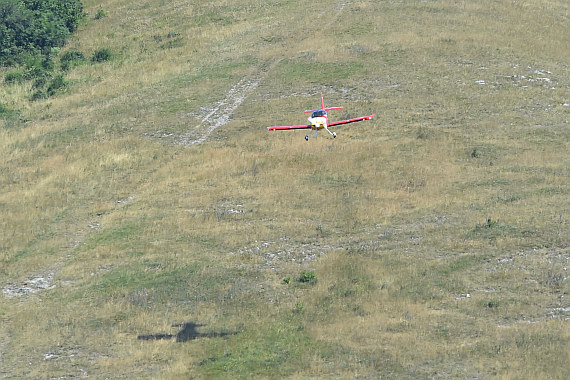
(187, 333)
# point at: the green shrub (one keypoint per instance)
(4, 111)
(9, 115)
(299, 308)
(36, 66)
(71, 59)
(101, 55)
(68, 12)
(56, 84)
(13, 77)
(476, 153)
(307, 277)
(38, 95)
(40, 82)
(100, 14)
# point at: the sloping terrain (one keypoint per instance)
(153, 228)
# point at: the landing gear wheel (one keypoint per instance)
(334, 135)
(306, 138)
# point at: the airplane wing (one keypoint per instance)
(351, 120)
(286, 127)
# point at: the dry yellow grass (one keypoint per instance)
(437, 232)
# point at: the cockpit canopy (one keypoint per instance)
(319, 113)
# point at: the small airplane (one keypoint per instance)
(319, 120)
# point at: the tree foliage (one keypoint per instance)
(30, 28)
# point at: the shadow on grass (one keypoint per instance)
(187, 333)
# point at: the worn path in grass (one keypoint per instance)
(223, 110)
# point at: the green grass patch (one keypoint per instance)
(165, 285)
(299, 71)
(124, 236)
(280, 349)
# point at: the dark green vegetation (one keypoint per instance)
(32, 33)
(33, 28)
(152, 228)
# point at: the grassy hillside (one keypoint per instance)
(153, 228)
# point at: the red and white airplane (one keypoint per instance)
(320, 120)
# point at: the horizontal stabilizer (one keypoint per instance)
(324, 109)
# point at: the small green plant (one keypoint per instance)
(321, 230)
(14, 77)
(475, 153)
(100, 14)
(491, 223)
(554, 279)
(423, 133)
(9, 115)
(299, 308)
(56, 84)
(173, 43)
(5, 112)
(39, 82)
(101, 55)
(287, 280)
(38, 95)
(307, 277)
(71, 59)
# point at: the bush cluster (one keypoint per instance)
(101, 55)
(32, 28)
(71, 59)
(32, 33)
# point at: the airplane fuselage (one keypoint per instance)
(318, 123)
(319, 120)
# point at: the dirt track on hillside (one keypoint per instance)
(221, 112)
